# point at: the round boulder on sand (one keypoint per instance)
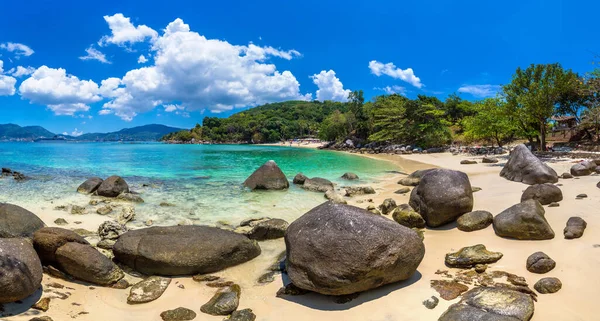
(583, 169)
(319, 258)
(21, 269)
(16, 221)
(267, 177)
(548, 285)
(540, 262)
(112, 187)
(85, 263)
(524, 221)
(543, 193)
(442, 196)
(473, 221)
(523, 166)
(90, 185)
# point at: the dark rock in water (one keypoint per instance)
(524, 221)
(431, 303)
(6, 171)
(179, 314)
(523, 166)
(263, 228)
(112, 187)
(540, 262)
(448, 290)
(406, 216)
(575, 228)
(90, 185)
(242, 315)
(183, 250)
(470, 256)
(111, 230)
(489, 160)
(267, 177)
(581, 196)
(388, 206)
(473, 221)
(548, 285)
(442, 196)
(566, 175)
(582, 169)
(491, 304)
(318, 258)
(317, 184)
(359, 190)
(21, 269)
(299, 179)
(543, 193)
(403, 190)
(224, 302)
(350, 176)
(129, 197)
(414, 178)
(148, 290)
(468, 162)
(333, 196)
(85, 263)
(16, 221)
(19, 176)
(48, 239)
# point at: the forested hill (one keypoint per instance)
(151, 132)
(12, 131)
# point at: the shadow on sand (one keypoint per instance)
(22, 307)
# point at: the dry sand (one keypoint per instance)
(578, 262)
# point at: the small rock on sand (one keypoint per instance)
(575, 228)
(431, 303)
(242, 315)
(224, 302)
(540, 262)
(548, 285)
(148, 290)
(448, 290)
(179, 314)
(42, 305)
(471, 256)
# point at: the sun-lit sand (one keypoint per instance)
(578, 262)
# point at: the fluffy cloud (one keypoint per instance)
(18, 49)
(199, 73)
(75, 132)
(63, 94)
(7, 83)
(142, 60)
(330, 87)
(392, 90)
(377, 68)
(21, 71)
(94, 54)
(172, 108)
(124, 33)
(480, 91)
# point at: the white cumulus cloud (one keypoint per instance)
(142, 59)
(94, 54)
(124, 33)
(172, 108)
(408, 75)
(21, 71)
(330, 86)
(62, 93)
(392, 90)
(74, 133)
(7, 83)
(18, 49)
(480, 91)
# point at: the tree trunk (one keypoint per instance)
(543, 134)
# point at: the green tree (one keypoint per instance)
(334, 127)
(389, 120)
(491, 122)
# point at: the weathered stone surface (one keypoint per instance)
(126, 215)
(414, 178)
(523, 221)
(44, 318)
(85, 263)
(242, 315)
(130, 197)
(489, 160)
(224, 302)
(554, 204)
(523, 166)
(359, 190)
(431, 303)
(575, 228)
(350, 176)
(183, 250)
(179, 314)
(548, 285)
(442, 196)
(448, 290)
(581, 196)
(299, 179)
(16, 221)
(333, 196)
(583, 169)
(473, 221)
(104, 210)
(388, 206)
(90, 185)
(263, 228)
(21, 269)
(318, 258)
(112, 187)
(148, 290)
(540, 262)
(472, 255)
(317, 184)
(406, 216)
(543, 193)
(111, 230)
(468, 162)
(48, 239)
(491, 304)
(78, 210)
(267, 177)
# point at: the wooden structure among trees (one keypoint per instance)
(565, 125)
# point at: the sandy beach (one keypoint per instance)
(577, 262)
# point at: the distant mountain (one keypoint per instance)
(151, 132)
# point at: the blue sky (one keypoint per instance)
(216, 57)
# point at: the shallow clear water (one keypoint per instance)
(203, 181)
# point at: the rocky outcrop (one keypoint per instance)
(350, 176)
(543, 193)
(317, 184)
(406, 216)
(16, 221)
(90, 185)
(263, 228)
(491, 304)
(148, 290)
(575, 228)
(183, 250)
(442, 196)
(317, 253)
(299, 179)
(523, 166)
(85, 263)
(548, 285)
(224, 302)
(112, 187)
(414, 178)
(49, 239)
(470, 256)
(524, 221)
(267, 177)
(473, 221)
(21, 269)
(540, 262)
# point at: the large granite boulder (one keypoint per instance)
(20, 269)
(84, 262)
(48, 239)
(524, 221)
(268, 177)
(543, 193)
(90, 185)
(442, 196)
(337, 249)
(414, 178)
(183, 250)
(317, 184)
(112, 187)
(16, 221)
(491, 304)
(523, 166)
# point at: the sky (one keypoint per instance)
(80, 66)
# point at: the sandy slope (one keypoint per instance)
(578, 262)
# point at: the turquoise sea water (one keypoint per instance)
(203, 181)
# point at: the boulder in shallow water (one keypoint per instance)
(540, 262)
(48, 239)
(491, 304)
(523, 166)
(263, 228)
(183, 250)
(442, 196)
(90, 185)
(350, 176)
(267, 177)
(317, 184)
(543, 193)
(299, 179)
(318, 258)
(473, 221)
(21, 269)
(548, 285)
(414, 178)
(148, 290)
(224, 302)
(84, 262)
(524, 221)
(472, 255)
(112, 187)
(16, 221)
(575, 228)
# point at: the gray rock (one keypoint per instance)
(583, 169)
(130, 197)
(388, 206)
(299, 179)
(111, 230)
(523, 166)
(473, 221)
(554, 204)
(224, 302)
(263, 228)
(183, 250)
(317, 184)
(85, 263)
(406, 216)
(267, 177)
(442, 196)
(16, 221)
(48, 239)
(350, 176)
(333, 196)
(242, 315)
(148, 290)
(575, 228)
(491, 304)
(543, 193)
(179, 314)
(548, 285)
(90, 185)
(524, 221)
(21, 269)
(470, 256)
(414, 178)
(112, 187)
(581, 196)
(359, 190)
(318, 258)
(431, 303)
(540, 263)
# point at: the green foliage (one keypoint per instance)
(491, 122)
(335, 127)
